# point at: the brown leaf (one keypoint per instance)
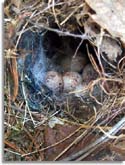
(58, 133)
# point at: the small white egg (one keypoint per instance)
(71, 80)
(54, 81)
(89, 74)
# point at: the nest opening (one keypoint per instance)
(48, 52)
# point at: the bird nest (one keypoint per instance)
(62, 65)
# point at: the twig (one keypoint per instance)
(13, 152)
(47, 8)
(27, 109)
(33, 141)
(54, 12)
(67, 18)
(83, 36)
(77, 48)
(10, 126)
(86, 126)
(15, 147)
(89, 149)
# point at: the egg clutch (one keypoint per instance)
(69, 72)
(69, 81)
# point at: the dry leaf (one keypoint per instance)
(17, 3)
(110, 16)
(58, 134)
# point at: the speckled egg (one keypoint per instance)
(78, 63)
(54, 81)
(71, 80)
(89, 73)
